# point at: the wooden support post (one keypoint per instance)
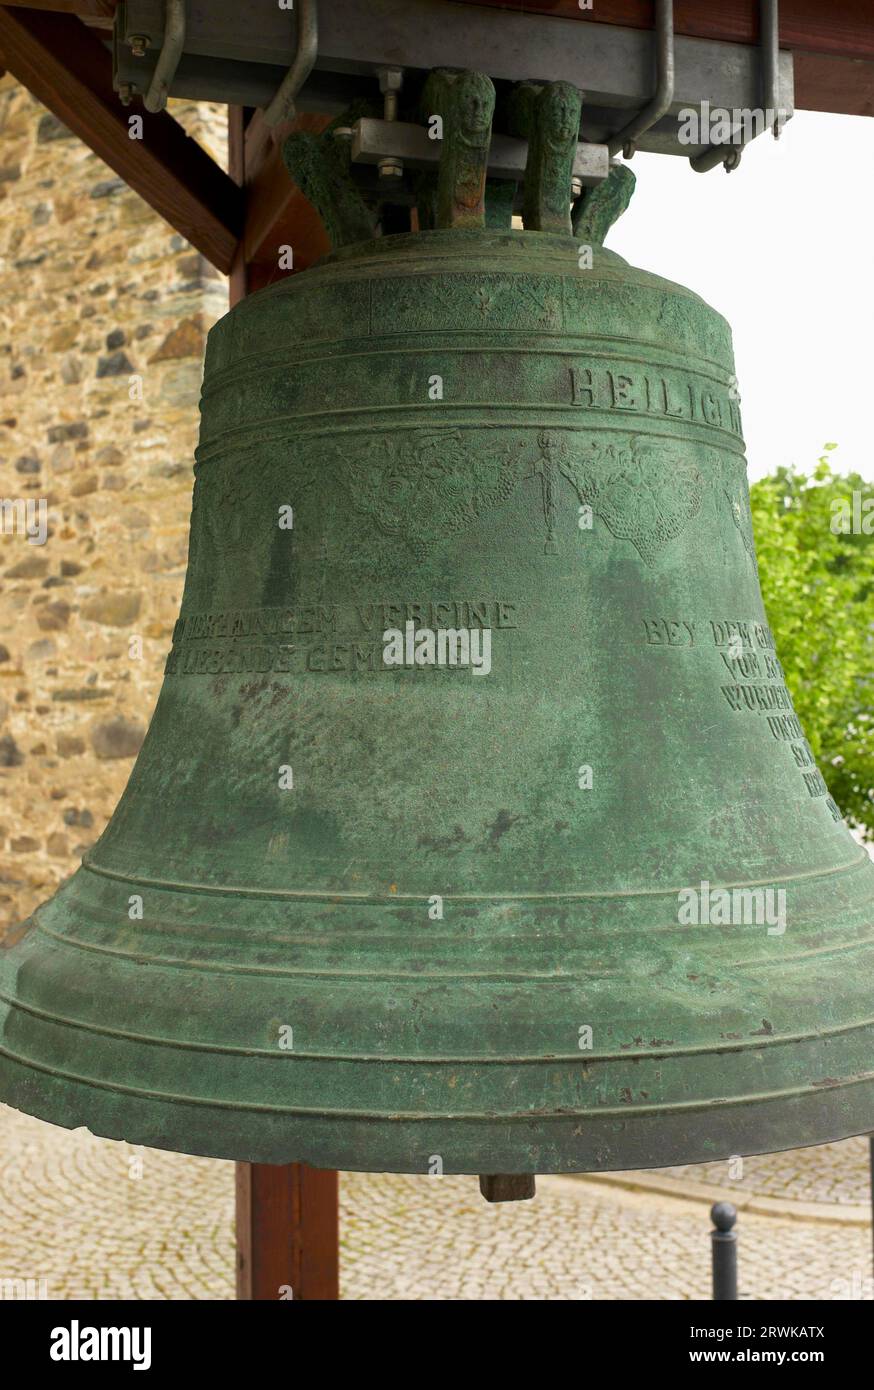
(275, 214)
(287, 1215)
(287, 1233)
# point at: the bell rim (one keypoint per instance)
(551, 1145)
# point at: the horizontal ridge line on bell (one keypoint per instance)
(218, 450)
(423, 898)
(764, 963)
(224, 443)
(572, 975)
(414, 1116)
(437, 410)
(221, 967)
(258, 360)
(557, 275)
(658, 1054)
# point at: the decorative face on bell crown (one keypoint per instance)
(475, 105)
(560, 112)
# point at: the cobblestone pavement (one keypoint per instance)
(97, 1219)
(826, 1173)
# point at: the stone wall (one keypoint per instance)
(101, 303)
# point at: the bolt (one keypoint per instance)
(576, 187)
(391, 80)
(343, 132)
(138, 43)
(391, 169)
(125, 92)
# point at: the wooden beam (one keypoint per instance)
(85, 9)
(287, 1233)
(67, 68)
(276, 212)
(833, 44)
(843, 28)
(842, 85)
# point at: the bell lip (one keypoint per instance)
(540, 1145)
(173, 1079)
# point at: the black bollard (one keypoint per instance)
(724, 1246)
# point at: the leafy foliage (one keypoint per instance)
(818, 586)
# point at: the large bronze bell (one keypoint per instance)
(474, 822)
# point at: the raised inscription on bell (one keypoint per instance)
(328, 636)
(673, 394)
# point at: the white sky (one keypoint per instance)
(784, 248)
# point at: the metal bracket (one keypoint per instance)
(282, 107)
(229, 56)
(155, 98)
(729, 156)
(660, 105)
(770, 24)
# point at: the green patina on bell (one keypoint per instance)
(471, 718)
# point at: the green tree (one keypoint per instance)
(816, 563)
